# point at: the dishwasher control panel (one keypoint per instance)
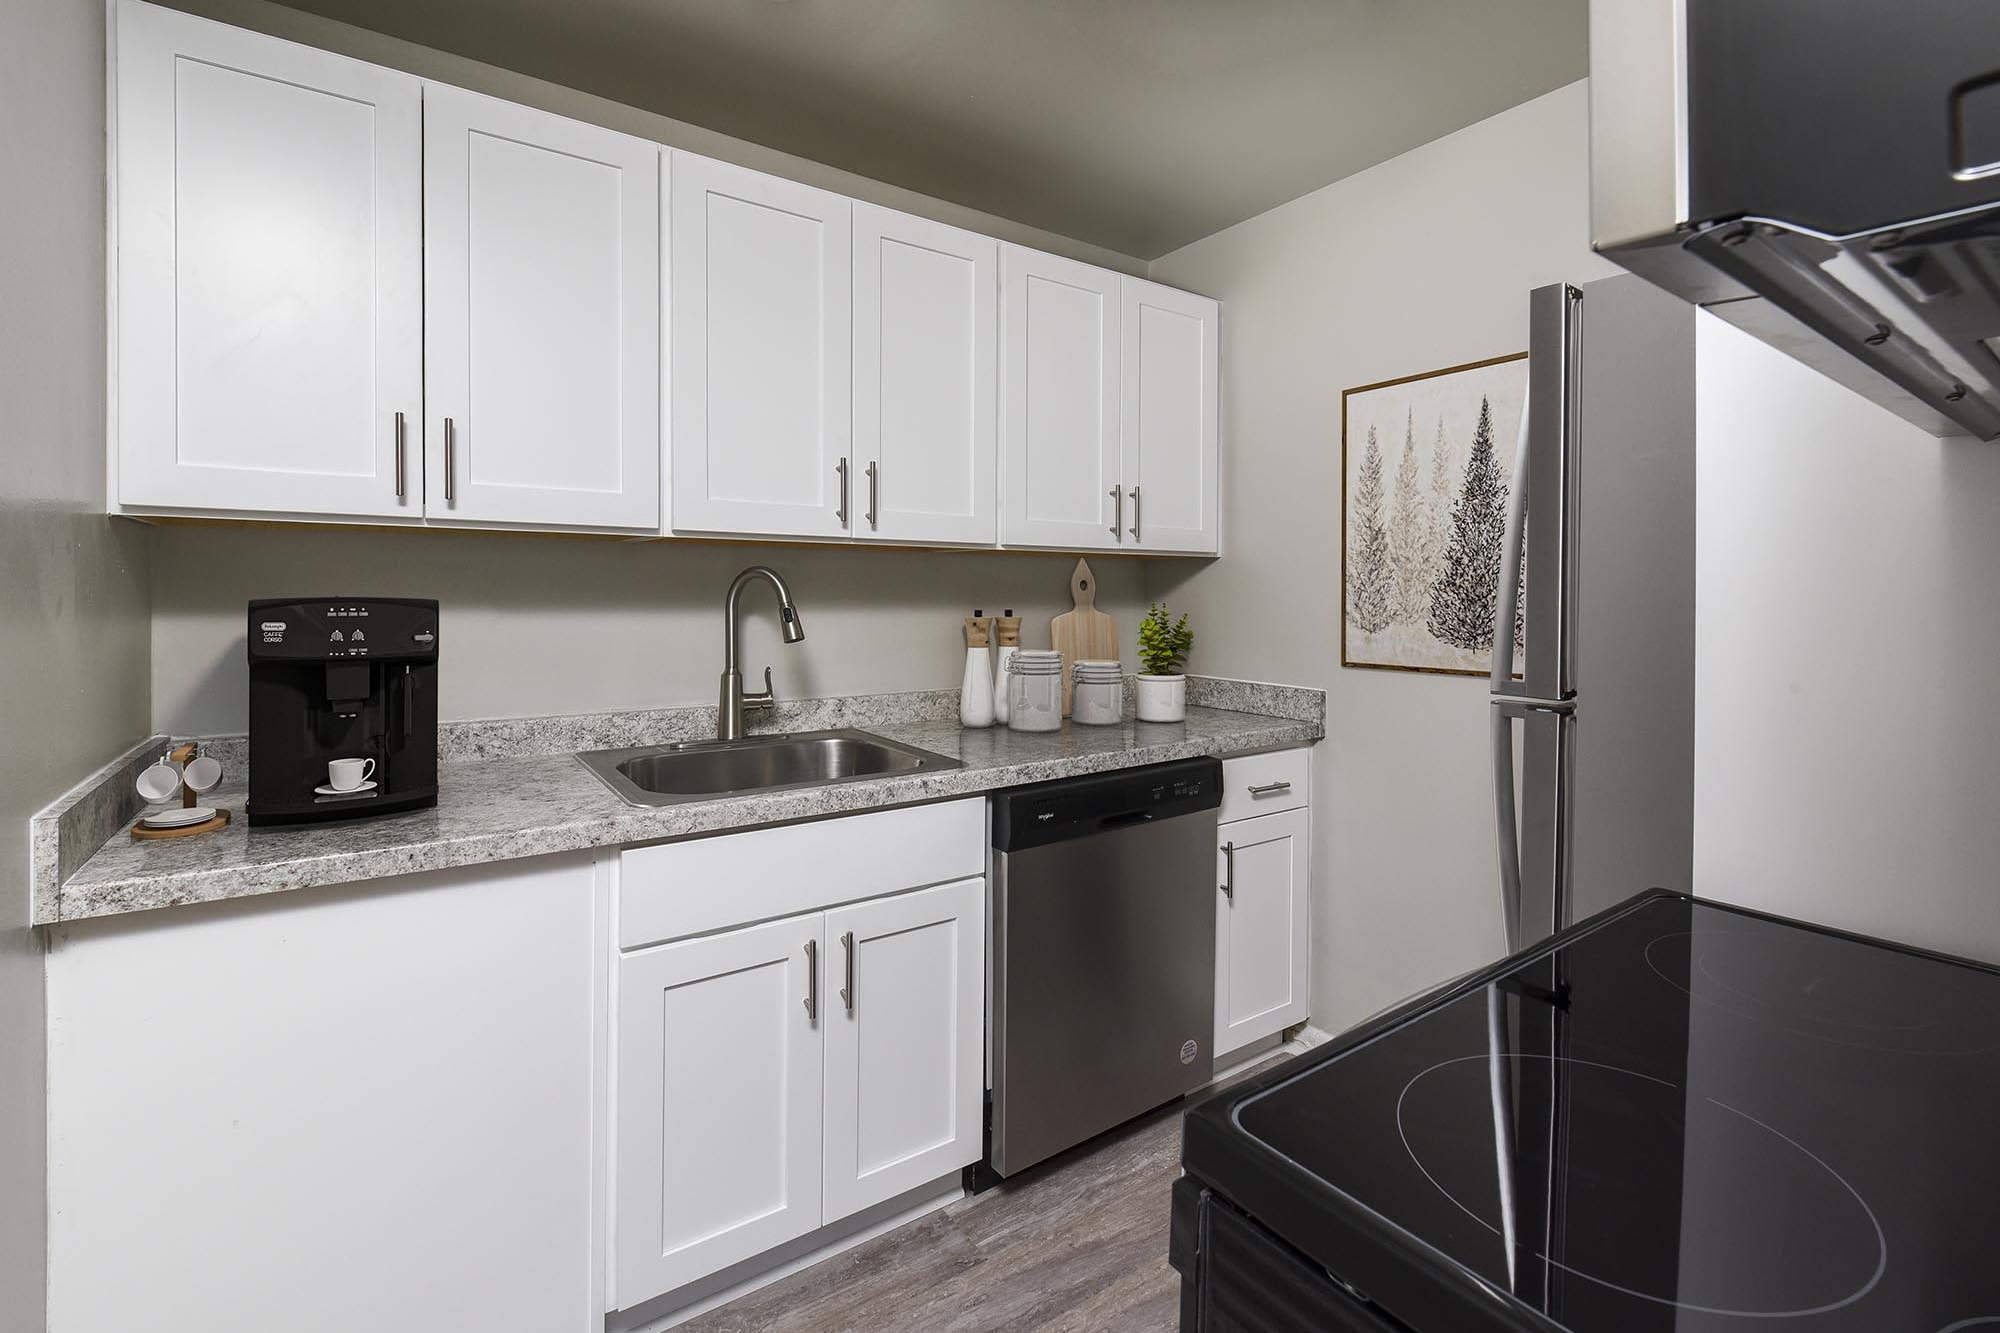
(1047, 812)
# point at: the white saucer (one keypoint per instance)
(331, 790)
(193, 814)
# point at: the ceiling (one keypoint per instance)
(1140, 125)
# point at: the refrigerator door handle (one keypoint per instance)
(1507, 607)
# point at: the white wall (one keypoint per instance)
(72, 583)
(1422, 262)
(1847, 736)
(561, 625)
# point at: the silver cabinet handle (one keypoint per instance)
(1135, 514)
(1117, 494)
(401, 489)
(1229, 871)
(450, 462)
(812, 981)
(873, 484)
(847, 991)
(1270, 788)
(840, 511)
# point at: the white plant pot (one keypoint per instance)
(1162, 698)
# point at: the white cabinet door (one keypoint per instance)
(925, 413)
(1168, 416)
(904, 1047)
(393, 1078)
(542, 317)
(759, 281)
(1263, 914)
(717, 1152)
(268, 319)
(1059, 334)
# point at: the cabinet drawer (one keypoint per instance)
(1263, 784)
(688, 888)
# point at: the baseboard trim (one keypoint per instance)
(717, 1289)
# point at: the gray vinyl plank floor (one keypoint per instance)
(1078, 1245)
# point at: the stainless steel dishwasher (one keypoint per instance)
(1103, 969)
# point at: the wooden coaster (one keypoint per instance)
(140, 834)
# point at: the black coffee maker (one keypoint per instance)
(335, 678)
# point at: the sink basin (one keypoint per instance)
(704, 770)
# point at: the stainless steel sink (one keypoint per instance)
(704, 770)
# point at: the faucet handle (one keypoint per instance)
(765, 700)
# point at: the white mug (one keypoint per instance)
(347, 774)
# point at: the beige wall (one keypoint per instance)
(72, 600)
(1420, 263)
(555, 625)
(1847, 735)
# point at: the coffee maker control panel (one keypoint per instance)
(336, 630)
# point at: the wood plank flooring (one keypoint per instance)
(1078, 1245)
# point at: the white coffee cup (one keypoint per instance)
(347, 774)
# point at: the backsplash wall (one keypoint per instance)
(534, 625)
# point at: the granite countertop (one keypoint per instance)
(497, 809)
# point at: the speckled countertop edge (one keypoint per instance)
(532, 805)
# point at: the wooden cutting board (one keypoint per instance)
(1086, 633)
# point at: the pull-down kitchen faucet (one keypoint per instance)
(734, 702)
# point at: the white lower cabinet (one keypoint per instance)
(904, 1042)
(1262, 926)
(719, 1060)
(778, 1078)
(362, 1107)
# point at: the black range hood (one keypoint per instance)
(1825, 176)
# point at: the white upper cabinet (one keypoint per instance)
(542, 317)
(341, 293)
(761, 364)
(925, 413)
(1059, 369)
(268, 234)
(1168, 417)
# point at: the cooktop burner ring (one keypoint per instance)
(1858, 1035)
(1875, 1223)
(1979, 1322)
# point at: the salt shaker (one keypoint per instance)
(975, 694)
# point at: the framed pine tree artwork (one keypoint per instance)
(1426, 462)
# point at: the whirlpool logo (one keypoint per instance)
(1189, 1050)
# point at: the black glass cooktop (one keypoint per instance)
(1685, 1118)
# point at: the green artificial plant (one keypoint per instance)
(1164, 642)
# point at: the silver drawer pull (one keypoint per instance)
(840, 510)
(847, 991)
(1229, 871)
(812, 981)
(1270, 788)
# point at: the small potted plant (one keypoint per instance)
(1163, 648)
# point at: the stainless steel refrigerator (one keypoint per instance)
(1598, 802)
